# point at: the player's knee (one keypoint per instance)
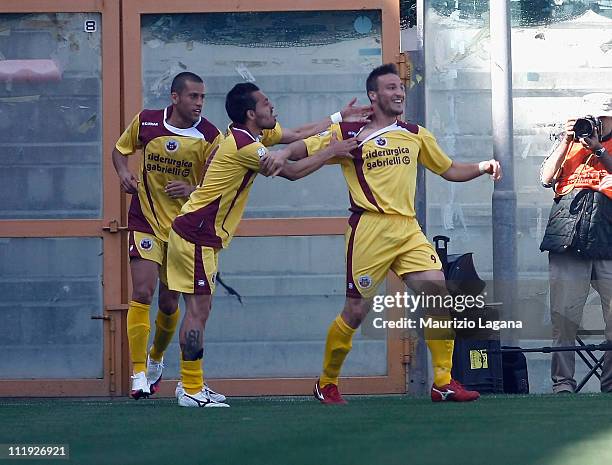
(168, 304)
(143, 294)
(355, 311)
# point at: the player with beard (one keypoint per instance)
(176, 142)
(209, 219)
(383, 233)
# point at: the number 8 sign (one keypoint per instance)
(90, 25)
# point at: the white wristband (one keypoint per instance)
(336, 117)
(482, 166)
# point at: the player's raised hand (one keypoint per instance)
(128, 181)
(360, 113)
(273, 162)
(178, 189)
(493, 168)
(342, 148)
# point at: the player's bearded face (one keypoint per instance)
(264, 111)
(189, 101)
(390, 95)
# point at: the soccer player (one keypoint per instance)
(383, 233)
(176, 142)
(209, 218)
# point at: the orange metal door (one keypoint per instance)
(75, 223)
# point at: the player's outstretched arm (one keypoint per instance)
(349, 112)
(460, 172)
(306, 166)
(129, 183)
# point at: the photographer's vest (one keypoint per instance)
(583, 170)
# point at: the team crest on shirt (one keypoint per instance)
(381, 142)
(365, 281)
(261, 151)
(172, 145)
(146, 244)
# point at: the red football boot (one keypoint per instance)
(328, 394)
(453, 391)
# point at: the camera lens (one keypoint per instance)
(583, 128)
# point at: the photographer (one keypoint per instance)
(579, 232)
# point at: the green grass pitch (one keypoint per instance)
(495, 430)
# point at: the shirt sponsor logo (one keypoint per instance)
(365, 281)
(261, 151)
(146, 244)
(172, 146)
(149, 123)
(381, 142)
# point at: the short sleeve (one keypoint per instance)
(431, 156)
(128, 143)
(322, 140)
(272, 136)
(249, 155)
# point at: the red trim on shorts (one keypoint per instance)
(199, 274)
(351, 287)
(132, 247)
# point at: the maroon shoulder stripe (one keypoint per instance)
(245, 181)
(351, 287)
(365, 187)
(148, 192)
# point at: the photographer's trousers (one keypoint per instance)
(571, 278)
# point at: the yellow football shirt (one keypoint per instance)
(170, 154)
(382, 175)
(212, 213)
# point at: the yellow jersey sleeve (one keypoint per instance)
(128, 143)
(322, 140)
(272, 136)
(249, 155)
(431, 155)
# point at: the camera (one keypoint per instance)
(585, 127)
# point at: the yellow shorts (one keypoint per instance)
(377, 243)
(192, 269)
(149, 247)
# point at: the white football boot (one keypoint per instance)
(140, 386)
(212, 395)
(200, 399)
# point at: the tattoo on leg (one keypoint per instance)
(192, 349)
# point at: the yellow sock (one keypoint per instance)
(192, 375)
(165, 325)
(441, 344)
(138, 329)
(337, 347)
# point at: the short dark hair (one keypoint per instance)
(239, 100)
(178, 83)
(372, 81)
